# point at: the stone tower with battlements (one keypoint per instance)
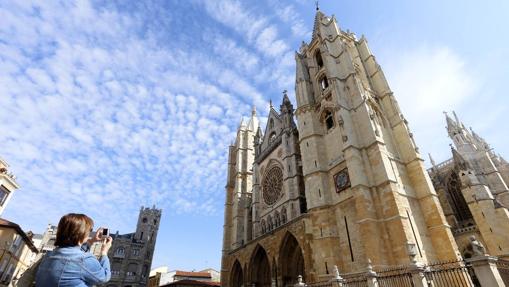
(131, 254)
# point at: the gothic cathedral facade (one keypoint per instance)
(472, 187)
(342, 186)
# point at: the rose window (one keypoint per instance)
(272, 185)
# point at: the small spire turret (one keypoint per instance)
(432, 160)
(459, 162)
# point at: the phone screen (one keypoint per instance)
(105, 231)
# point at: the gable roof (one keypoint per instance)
(8, 224)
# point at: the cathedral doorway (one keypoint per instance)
(260, 268)
(291, 260)
(237, 277)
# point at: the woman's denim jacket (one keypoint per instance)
(71, 266)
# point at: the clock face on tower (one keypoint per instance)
(342, 180)
(272, 185)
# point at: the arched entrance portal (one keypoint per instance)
(260, 268)
(291, 261)
(237, 276)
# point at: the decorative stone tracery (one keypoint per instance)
(272, 185)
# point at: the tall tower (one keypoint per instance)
(237, 220)
(360, 159)
(131, 254)
(146, 233)
(148, 224)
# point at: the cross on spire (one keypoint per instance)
(317, 6)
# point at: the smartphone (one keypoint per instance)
(106, 233)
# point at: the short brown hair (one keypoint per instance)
(72, 229)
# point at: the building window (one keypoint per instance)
(270, 223)
(318, 58)
(264, 227)
(144, 271)
(131, 269)
(136, 252)
(4, 193)
(271, 123)
(272, 138)
(329, 120)
(324, 84)
(119, 252)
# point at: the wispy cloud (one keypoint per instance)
(99, 119)
(105, 107)
(427, 81)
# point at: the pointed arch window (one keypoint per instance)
(329, 120)
(283, 215)
(270, 223)
(324, 83)
(271, 123)
(318, 58)
(119, 252)
(272, 137)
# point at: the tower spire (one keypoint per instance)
(317, 5)
(432, 160)
(456, 117)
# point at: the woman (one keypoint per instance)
(69, 264)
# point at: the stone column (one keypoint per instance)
(371, 275)
(416, 268)
(486, 270)
(337, 280)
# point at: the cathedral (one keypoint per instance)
(338, 180)
(472, 188)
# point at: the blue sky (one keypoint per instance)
(106, 107)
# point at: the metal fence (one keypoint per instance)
(394, 277)
(440, 274)
(349, 280)
(355, 280)
(503, 269)
(451, 273)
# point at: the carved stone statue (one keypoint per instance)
(300, 283)
(477, 247)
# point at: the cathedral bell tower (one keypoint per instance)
(360, 162)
